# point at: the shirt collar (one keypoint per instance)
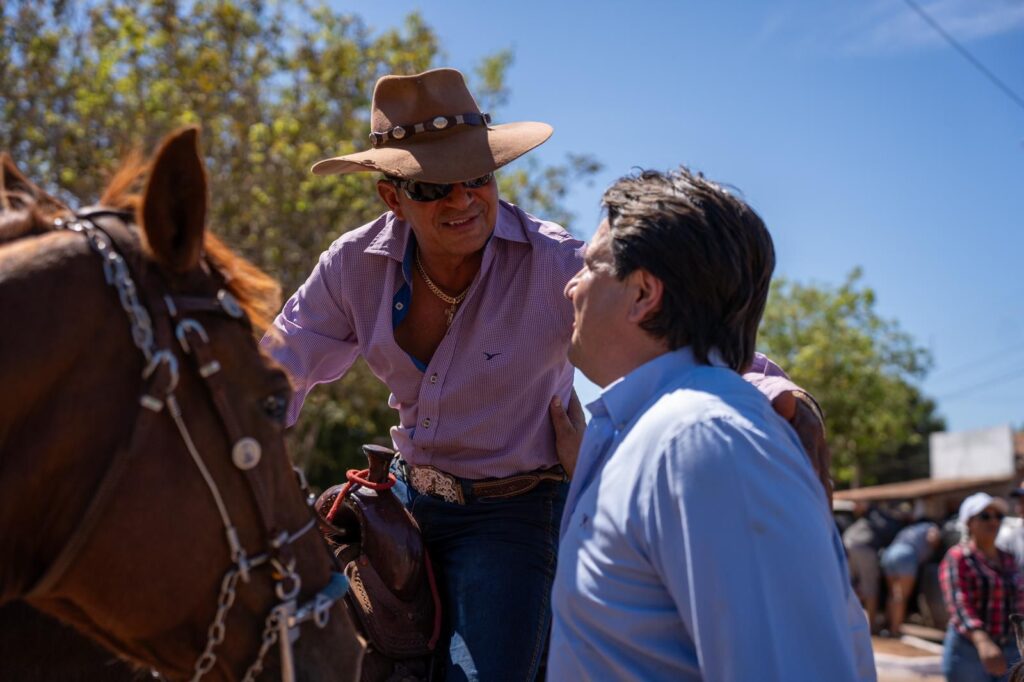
(510, 226)
(624, 398)
(394, 238)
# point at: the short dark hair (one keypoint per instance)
(710, 250)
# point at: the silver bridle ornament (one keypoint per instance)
(282, 623)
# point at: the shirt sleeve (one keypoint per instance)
(807, 419)
(313, 338)
(768, 377)
(736, 571)
(566, 261)
(863, 653)
(955, 576)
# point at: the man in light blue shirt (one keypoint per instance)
(696, 541)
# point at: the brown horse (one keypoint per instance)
(145, 494)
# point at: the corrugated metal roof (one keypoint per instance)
(922, 487)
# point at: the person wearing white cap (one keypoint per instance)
(981, 587)
(1011, 534)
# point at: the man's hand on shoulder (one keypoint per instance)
(798, 408)
(785, 405)
(569, 425)
(809, 425)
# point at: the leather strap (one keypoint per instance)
(514, 485)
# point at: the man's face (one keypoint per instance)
(600, 304)
(456, 225)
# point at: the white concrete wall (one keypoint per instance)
(984, 452)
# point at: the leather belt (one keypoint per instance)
(429, 480)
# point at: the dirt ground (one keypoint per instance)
(897, 648)
(908, 677)
(894, 647)
(887, 676)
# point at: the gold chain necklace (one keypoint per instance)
(452, 301)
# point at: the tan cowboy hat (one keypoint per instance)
(428, 127)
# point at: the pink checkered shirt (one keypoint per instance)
(480, 409)
(768, 377)
(981, 594)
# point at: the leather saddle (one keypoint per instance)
(392, 592)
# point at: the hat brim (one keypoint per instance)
(451, 156)
(977, 503)
(997, 502)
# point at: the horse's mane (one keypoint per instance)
(23, 215)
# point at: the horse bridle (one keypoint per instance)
(160, 377)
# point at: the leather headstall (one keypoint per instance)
(109, 237)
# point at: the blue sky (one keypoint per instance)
(858, 135)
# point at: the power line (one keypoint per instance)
(1001, 354)
(966, 390)
(1007, 90)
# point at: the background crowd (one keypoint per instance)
(976, 556)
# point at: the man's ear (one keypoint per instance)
(388, 193)
(647, 293)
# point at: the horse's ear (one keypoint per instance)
(17, 192)
(174, 205)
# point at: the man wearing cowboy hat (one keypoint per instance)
(454, 299)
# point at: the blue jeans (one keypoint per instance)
(960, 661)
(899, 560)
(495, 562)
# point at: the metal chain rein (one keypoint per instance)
(286, 616)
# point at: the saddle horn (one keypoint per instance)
(380, 459)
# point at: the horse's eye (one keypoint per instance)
(276, 406)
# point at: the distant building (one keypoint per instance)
(985, 460)
(988, 460)
(982, 452)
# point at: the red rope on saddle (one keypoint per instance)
(357, 477)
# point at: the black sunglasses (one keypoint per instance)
(429, 191)
(985, 516)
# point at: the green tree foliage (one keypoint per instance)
(864, 372)
(910, 460)
(276, 86)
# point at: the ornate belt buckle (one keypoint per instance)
(427, 479)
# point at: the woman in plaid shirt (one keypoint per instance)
(981, 587)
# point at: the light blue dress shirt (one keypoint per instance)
(697, 543)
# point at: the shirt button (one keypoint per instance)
(399, 305)
(433, 378)
(426, 423)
